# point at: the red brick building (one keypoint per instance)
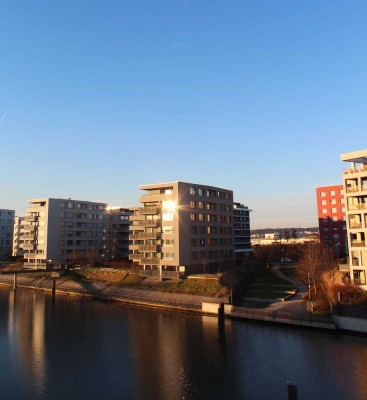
(331, 215)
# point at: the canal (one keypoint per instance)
(84, 349)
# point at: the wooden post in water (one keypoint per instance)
(15, 282)
(53, 288)
(292, 391)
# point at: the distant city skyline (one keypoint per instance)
(259, 98)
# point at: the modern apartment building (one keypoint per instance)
(182, 227)
(116, 238)
(242, 236)
(331, 216)
(18, 238)
(355, 191)
(60, 231)
(6, 233)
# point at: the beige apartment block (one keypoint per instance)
(18, 238)
(355, 192)
(59, 231)
(182, 228)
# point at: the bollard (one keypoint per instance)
(15, 282)
(292, 390)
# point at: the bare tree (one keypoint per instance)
(314, 260)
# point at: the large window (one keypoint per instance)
(193, 191)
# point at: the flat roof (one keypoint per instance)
(165, 184)
(359, 156)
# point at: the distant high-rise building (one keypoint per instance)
(6, 233)
(182, 227)
(331, 216)
(116, 238)
(242, 236)
(62, 231)
(17, 238)
(355, 189)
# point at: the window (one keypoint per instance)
(200, 204)
(70, 205)
(192, 217)
(324, 211)
(333, 201)
(168, 216)
(202, 242)
(192, 204)
(201, 192)
(194, 229)
(201, 217)
(332, 193)
(193, 191)
(333, 210)
(335, 219)
(323, 202)
(323, 194)
(167, 229)
(193, 242)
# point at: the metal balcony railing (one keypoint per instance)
(149, 261)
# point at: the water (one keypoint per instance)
(91, 350)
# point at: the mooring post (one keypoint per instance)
(53, 288)
(292, 391)
(15, 282)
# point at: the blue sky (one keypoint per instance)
(98, 97)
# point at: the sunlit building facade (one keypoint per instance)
(61, 231)
(331, 217)
(355, 190)
(18, 238)
(182, 228)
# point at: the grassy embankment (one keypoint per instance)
(208, 286)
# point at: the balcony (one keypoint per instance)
(29, 228)
(149, 210)
(28, 237)
(355, 262)
(150, 223)
(30, 218)
(135, 256)
(148, 247)
(357, 243)
(354, 225)
(352, 189)
(149, 261)
(145, 235)
(27, 246)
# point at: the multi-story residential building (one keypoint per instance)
(242, 236)
(355, 191)
(182, 227)
(116, 238)
(6, 233)
(331, 216)
(18, 238)
(59, 231)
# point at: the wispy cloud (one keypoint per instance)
(2, 117)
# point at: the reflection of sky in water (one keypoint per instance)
(90, 350)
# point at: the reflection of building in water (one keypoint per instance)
(26, 326)
(172, 351)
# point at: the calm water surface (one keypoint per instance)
(79, 349)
